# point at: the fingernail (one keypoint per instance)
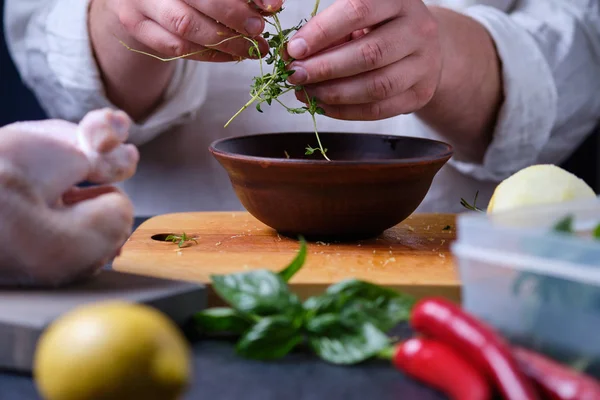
(298, 76)
(253, 25)
(297, 48)
(271, 5)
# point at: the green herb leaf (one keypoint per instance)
(596, 233)
(288, 272)
(180, 239)
(358, 302)
(259, 292)
(271, 338)
(268, 87)
(221, 319)
(348, 345)
(472, 207)
(325, 324)
(564, 225)
(310, 150)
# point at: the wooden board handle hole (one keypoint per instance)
(161, 237)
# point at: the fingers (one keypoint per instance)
(197, 23)
(267, 6)
(381, 47)
(369, 87)
(404, 103)
(340, 19)
(167, 44)
(239, 16)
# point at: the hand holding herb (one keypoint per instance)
(269, 86)
(210, 31)
(350, 58)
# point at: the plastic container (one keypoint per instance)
(537, 287)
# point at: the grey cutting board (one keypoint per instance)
(24, 314)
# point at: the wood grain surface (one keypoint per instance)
(413, 256)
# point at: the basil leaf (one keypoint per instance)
(358, 302)
(349, 345)
(270, 338)
(324, 324)
(221, 319)
(296, 264)
(260, 292)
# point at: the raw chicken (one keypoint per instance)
(52, 232)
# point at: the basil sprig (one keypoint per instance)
(347, 324)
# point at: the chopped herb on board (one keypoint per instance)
(180, 239)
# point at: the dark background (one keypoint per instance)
(17, 103)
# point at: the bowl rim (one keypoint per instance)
(447, 154)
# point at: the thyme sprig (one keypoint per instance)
(269, 87)
(180, 239)
(472, 207)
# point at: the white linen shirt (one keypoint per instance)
(550, 54)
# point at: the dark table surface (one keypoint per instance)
(220, 374)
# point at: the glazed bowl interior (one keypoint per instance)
(371, 183)
(341, 147)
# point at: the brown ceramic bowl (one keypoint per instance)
(372, 183)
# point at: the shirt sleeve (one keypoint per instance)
(50, 44)
(550, 56)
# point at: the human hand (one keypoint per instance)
(368, 59)
(55, 233)
(179, 27)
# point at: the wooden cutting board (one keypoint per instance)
(413, 257)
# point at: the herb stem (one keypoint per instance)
(182, 56)
(312, 114)
(252, 100)
(387, 353)
(316, 8)
(277, 25)
(318, 139)
(255, 46)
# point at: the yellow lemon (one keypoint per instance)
(112, 350)
(537, 185)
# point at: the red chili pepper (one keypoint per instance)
(554, 380)
(443, 320)
(437, 365)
